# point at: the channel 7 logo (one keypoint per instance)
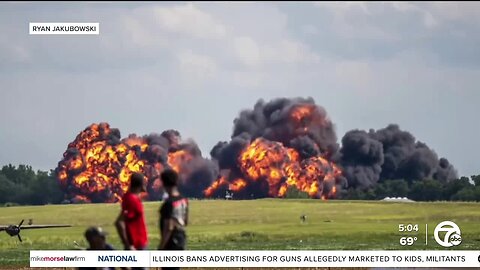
(452, 235)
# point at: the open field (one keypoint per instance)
(254, 224)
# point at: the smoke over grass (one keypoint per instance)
(275, 146)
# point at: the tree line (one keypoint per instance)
(462, 189)
(21, 185)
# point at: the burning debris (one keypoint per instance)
(97, 165)
(278, 145)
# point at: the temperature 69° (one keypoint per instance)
(407, 240)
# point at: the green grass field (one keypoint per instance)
(252, 225)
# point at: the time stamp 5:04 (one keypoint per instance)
(447, 234)
(411, 231)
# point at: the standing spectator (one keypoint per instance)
(130, 223)
(173, 215)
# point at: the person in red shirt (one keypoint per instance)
(130, 223)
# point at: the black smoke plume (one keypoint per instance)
(311, 134)
(365, 158)
(296, 123)
(273, 121)
(390, 153)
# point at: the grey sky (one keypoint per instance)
(194, 66)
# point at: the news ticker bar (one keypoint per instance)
(256, 258)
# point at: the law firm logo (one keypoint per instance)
(452, 236)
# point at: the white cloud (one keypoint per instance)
(436, 13)
(452, 11)
(350, 20)
(284, 51)
(343, 5)
(403, 6)
(309, 29)
(428, 19)
(344, 10)
(248, 79)
(15, 53)
(188, 19)
(12, 49)
(355, 75)
(140, 35)
(247, 51)
(196, 66)
(207, 41)
(291, 51)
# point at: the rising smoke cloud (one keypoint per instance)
(281, 143)
(296, 122)
(277, 145)
(365, 158)
(390, 153)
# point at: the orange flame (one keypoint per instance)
(177, 158)
(299, 113)
(100, 170)
(215, 185)
(280, 167)
(237, 185)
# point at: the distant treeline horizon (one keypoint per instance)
(21, 185)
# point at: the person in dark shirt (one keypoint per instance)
(173, 215)
(97, 240)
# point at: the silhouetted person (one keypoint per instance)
(173, 215)
(97, 240)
